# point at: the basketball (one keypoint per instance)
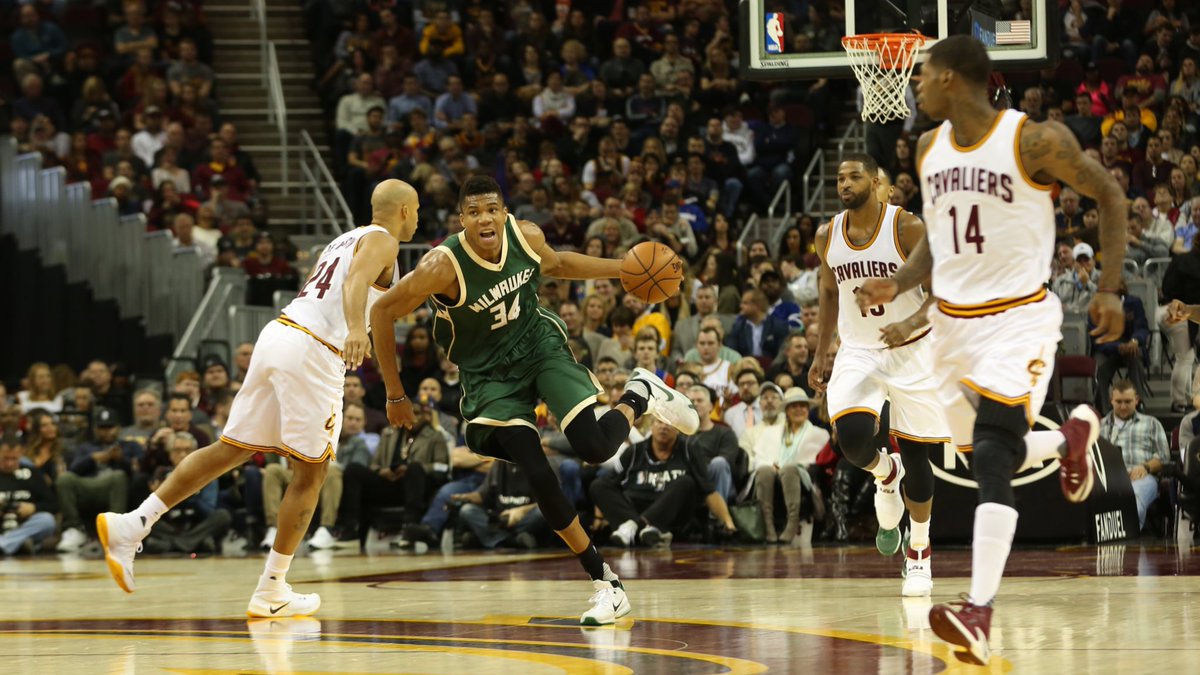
(651, 271)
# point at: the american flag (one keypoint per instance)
(1013, 32)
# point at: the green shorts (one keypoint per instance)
(507, 397)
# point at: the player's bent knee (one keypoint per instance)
(918, 479)
(856, 437)
(997, 454)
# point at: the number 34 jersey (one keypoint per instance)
(853, 264)
(486, 328)
(318, 306)
(990, 225)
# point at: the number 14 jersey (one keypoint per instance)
(853, 264)
(990, 225)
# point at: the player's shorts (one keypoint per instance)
(291, 400)
(505, 397)
(863, 379)
(1002, 351)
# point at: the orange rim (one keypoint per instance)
(895, 50)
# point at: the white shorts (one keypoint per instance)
(1006, 355)
(863, 379)
(291, 400)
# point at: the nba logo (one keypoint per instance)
(774, 33)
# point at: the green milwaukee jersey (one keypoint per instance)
(497, 307)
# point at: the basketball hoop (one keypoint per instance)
(883, 64)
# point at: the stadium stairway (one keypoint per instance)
(244, 99)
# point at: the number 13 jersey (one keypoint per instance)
(852, 265)
(990, 225)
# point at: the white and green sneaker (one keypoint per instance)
(664, 402)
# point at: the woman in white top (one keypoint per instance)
(40, 392)
(554, 101)
(781, 455)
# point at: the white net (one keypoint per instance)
(883, 65)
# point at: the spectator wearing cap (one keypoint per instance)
(222, 162)
(121, 190)
(779, 300)
(1076, 286)
(152, 137)
(770, 406)
(264, 261)
(37, 45)
(656, 488)
(717, 444)
(189, 70)
(782, 456)
(97, 479)
(224, 208)
(747, 413)
(27, 501)
(215, 380)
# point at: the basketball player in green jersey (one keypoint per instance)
(482, 284)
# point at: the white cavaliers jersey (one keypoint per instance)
(851, 264)
(990, 226)
(318, 307)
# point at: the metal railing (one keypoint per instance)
(768, 229)
(814, 197)
(854, 138)
(258, 13)
(115, 256)
(277, 110)
(329, 211)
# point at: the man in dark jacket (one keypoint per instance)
(26, 501)
(656, 489)
(97, 479)
(400, 474)
(755, 332)
(1129, 352)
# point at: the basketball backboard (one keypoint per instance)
(779, 44)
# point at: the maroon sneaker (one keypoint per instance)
(963, 623)
(1075, 473)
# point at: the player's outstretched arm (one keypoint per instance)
(435, 274)
(566, 264)
(827, 311)
(376, 252)
(1049, 151)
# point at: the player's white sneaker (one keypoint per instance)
(664, 402)
(282, 601)
(321, 539)
(121, 537)
(268, 540)
(918, 573)
(71, 540)
(609, 603)
(889, 508)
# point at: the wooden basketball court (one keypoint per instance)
(1113, 609)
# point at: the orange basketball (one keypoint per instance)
(651, 271)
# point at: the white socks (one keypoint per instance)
(1041, 446)
(275, 570)
(918, 534)
(883, 468)
(995, 525)
(150, 511)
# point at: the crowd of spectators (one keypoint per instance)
(609, 128)
(123, 96)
